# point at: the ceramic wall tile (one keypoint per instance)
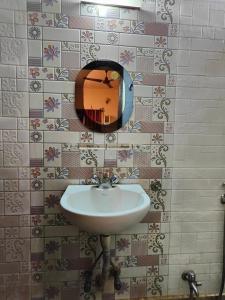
(51, 54)
(16, 154)
(13, 51)
(127, 58)
(59, 34)
(53, 6)
(17, 203)
(81, 22)
(44, 147)
(15, 104)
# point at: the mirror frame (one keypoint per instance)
(128, 107)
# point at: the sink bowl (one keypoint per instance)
(105, 211)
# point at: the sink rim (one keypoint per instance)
(137, 188)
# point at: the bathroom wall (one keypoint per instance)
(196, 224)
(174, 53)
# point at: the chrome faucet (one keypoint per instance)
(190, 277)
(105, 182)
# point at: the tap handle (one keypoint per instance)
(198, 283)
(114, 179)
(95, 179)
(189, 276)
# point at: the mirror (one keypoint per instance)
(103, 96)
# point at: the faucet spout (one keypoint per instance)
(194, 289)
(105, 182)
(190, 277)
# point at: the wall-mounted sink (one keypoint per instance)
(105, 211)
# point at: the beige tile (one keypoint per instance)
(17, 203)
(17, 250)
(8, 173)
(15, 104)
(8, 123)
(16, 154)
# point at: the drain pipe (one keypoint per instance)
(223, 272)
(105, 243)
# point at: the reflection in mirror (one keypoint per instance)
(104, 96)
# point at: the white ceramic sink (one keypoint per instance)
(105, 211)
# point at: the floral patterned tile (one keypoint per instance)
(162, 109)
(125, 158)
(159, 155)
(144, 51)
(88, 244)
(137, 27)
(157, 138)
(52, 105)
(124, 292)
(61, 21)
(36, 136)
(42, 124)
(52, 200)
(166, 11)
(87, 36)
(157, 285)
(89, 10)
(53, 6)
(52, 248)
(117, 25)
(127, 57)
(137, 77)
(36, 86)
(17, 203)
(35, 32)
(173, 30)
(61, 74)
(51, 54)
(86, 137)
(41, 73)
(160, 42)
(52, 155)
(143, 101)
(162, 59)
(111, 138)
(158, 243)
(171, 80)
(89, 53)
(70, 46)
(159, 91)
(40, 19)
(17, 250)
(92, 158)
(100, 24)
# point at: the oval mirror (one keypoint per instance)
(103, 96)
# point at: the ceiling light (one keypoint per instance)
(119, 3)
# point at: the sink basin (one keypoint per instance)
(105, 211)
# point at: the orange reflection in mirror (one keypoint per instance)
(102, 93)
